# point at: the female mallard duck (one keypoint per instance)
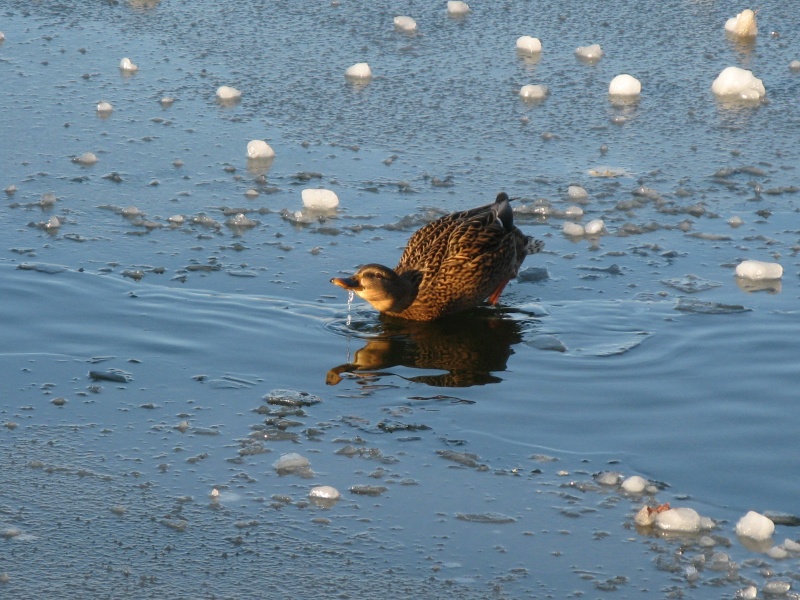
(450, 265)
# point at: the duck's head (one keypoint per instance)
(380, 286)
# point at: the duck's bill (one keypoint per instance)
(347, 283)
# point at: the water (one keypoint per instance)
(636, 351)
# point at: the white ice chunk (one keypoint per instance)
(457, 7)
(738, 83)
(104, 107)
(533, 92)
(594, 227)
(757, 270)
(576, 192)
(591, 53)
(290, 462)
(777, 552)
(681, 520)
(735, 221)
(529, 45)
(748, 593)
(319, 199)
(791, 545)
(259, 149)
(405, 24)
(574, 212)
(127, 65)
(325, 492)
(52, 223)
(634, 484)
(755, 526)
(776, 587)
(794, 65)
(226, 92)
(624, 85)
(608, 478)
(87, 158)
(743, 24)
(573, 229)
(358, 71)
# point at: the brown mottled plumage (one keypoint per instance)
(450, 265)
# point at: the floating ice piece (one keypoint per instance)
(748, 593)
(576, 192)
(127, 65)
(589, 54)
(533, 92)
(624, 85)
(47, 200)
(87, 158)
(166, 101)
(104, 107)
(634, 484)
(529, 45)
(758, 270)
(608, 478)
(681, 520)
(324, 492)
(594, 227)
(52, 223)
(259, 149)
(457, 7)
(743, 24)
(574, 212)
(755, 526)
(225, 92)
(405, 24)
(2, 37)
(777, 552)
(738, 83)
(291, 462)
(794, 65)
(791, 545)
(319, 199)
(776, 587)
(240, 220)
(358, 71)
(573, 229)
(735, 221)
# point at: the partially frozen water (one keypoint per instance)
(180, 375)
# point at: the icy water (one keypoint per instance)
(158, 357)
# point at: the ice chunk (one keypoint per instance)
(590, 54)
(755, 526)
(457, 7)
(576, 192)
(225, 92)
(533, 92)
(290, 462)
(679, 520)
(791, 545)
(358, 71)
(758, 270)
(608, 478)
(104, 107)
(594, 227)
(528, 45)
(259, 149)
(324, 492)
(87, 158)
(734, 82)
(319, 199)
(624, 85)
(748, 593)
(405, 24)
(794, 65)
(743, 24)
(634, 484)
(735, 221)
(776, 587)
(573, 229)
(574, 212)
(127, 65)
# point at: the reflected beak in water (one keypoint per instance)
(347, 283)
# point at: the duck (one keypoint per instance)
(450, 265)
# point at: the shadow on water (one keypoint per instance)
(470, 348)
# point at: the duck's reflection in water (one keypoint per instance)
(469, 348)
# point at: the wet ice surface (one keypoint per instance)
(168, 328)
